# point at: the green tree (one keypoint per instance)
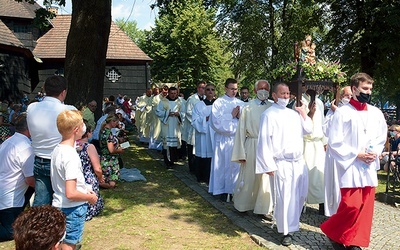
(85, 58)
(365, 35)
(131, 29)
(185, 46)
(262, 34)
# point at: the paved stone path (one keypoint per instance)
(385, 231)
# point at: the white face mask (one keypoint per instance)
(283, 102)
(262, 94)
(345, 100)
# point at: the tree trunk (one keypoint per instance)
(87, 44)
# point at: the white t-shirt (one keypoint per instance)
(17, 159)
(66, 165)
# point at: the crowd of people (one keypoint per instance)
(267, 156)
(271, 157)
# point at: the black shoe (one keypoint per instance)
(287, 240)
(337, 246)
(353, 248)
(321, 209)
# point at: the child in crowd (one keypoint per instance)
(70, 192)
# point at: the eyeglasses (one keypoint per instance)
(210, 89)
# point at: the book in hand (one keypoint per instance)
(125, 145)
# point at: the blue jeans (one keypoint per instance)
(43, 189)
(7, 218)
(75, 221)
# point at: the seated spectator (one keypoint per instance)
(41, 227)
(91, 170)
(16, 175)
(5, 124)
(110, 151)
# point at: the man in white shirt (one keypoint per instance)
(41, 118)
(16, 175)
(280, 154)
(357, 136)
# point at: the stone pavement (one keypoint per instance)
(385, 232)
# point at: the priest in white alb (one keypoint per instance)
(332, 189)
(170, 111)
(280, 154)
(225, 115)
(252, 191)
(204, 135)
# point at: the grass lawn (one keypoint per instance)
(162, 213)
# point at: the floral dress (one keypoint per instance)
(91, 179)
(109, 162)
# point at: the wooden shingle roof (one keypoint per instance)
(12, 8)
(52, 45)
(7, 37)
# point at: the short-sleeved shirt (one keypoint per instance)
(66, 165)
(17, 159)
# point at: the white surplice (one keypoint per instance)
(314, 154)
(204, 135)
(252, 191)
(350, 133)
(224, 172)
(280, 149)
(332, 189)
(188, 134)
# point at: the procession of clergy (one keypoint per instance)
(273, 159)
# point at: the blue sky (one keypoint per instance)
(133, 10)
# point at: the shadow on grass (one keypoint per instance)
(386, 191)
(163, 190)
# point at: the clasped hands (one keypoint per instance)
(173, 113)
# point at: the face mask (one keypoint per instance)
(262, 94)
(362, 97)
(392, 134)
(283, 102)
(84, 128)
(345, 100)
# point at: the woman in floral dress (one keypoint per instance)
(110, 151)
(91, 170)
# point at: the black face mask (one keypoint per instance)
(363, 98)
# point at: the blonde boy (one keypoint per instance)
(70, 193)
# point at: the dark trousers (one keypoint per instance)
(191, 158)
(172, 157)
(202, 169)
(7, 218)
(182, 151)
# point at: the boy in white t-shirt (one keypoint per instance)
(70, 192)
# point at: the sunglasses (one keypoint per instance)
(210, 89)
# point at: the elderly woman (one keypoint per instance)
(110, 151)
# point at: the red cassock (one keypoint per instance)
(351, 225)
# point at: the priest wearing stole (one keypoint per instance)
(171, 112)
